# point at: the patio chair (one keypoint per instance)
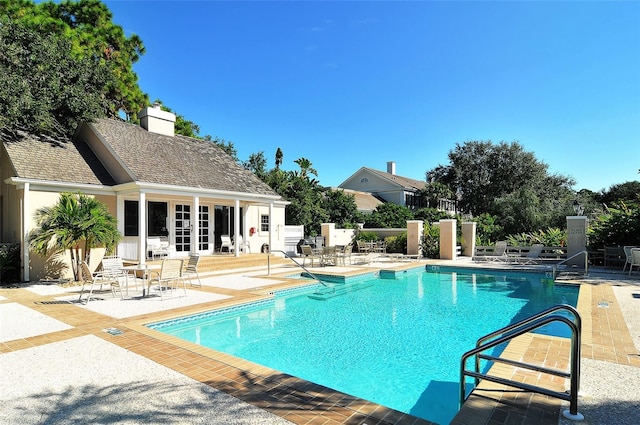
(157, 247)
(328, 256)
(627, 252)
(96, 279)
(635, 259)
(226, 243)
(308, 253)
(613, 255)
(191, 269)
(113, 267)
(168, 277)
(343, 254)
(362, 247)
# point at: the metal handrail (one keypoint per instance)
(512, 331)
(586, 262)
(298, 264)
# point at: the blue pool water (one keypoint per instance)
(397, 343)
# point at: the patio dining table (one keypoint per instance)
(145, 269)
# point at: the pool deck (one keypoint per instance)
(42, 329)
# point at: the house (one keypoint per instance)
(365, 201)
(156, 183)
(390, 187)
(387, 186)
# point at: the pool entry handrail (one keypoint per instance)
(510, 332)
(586, 262)
(299, 265)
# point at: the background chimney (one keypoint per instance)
(155, 120)
(391, 167)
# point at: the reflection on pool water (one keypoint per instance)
(396, 342)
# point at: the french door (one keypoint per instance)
(204, 230)
(183, 228)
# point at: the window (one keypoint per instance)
(264, 223)
(157, 219)
(131, 218)
(364, 180)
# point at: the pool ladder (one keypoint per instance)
(581, 253)
(299, 265)
(510, 332)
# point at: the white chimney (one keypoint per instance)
(156, 120)
(391, 167)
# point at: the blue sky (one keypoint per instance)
(352, 84)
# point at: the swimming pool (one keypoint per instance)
(396, 342)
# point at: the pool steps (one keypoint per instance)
(327, 292)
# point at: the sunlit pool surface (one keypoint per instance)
(396, 342)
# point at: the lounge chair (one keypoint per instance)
(169, 276)
(499, 253)
(532, 257)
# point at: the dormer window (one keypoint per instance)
(364, 180)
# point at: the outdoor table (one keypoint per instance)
(145, 269)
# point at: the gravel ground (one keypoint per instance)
(87, 380)
(609, 392)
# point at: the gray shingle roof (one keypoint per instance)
(178, 160)
(43, 158)
(405, 182)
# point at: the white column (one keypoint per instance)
(447, 239)
(142, 228)
(25, 233)
(415, 230)
(576, 238)
(469, 238)
(272, 229)
(120, 218)
(236, 226)
(195, 220)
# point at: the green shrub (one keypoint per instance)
(431, 241)
(550, 237)
(397, 244)
(366, 236)
(621, 226)
(9, 263)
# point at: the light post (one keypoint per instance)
(577, 208)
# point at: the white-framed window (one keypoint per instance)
(264, 222)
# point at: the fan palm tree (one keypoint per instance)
(76, 221)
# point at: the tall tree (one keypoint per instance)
(279, 156)
(341, 208)
(226, 146)
(257, 164)
(87, 25)
(305, 167)
(389, 215)
(45, 89)
(77, 222)
(487, 177)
